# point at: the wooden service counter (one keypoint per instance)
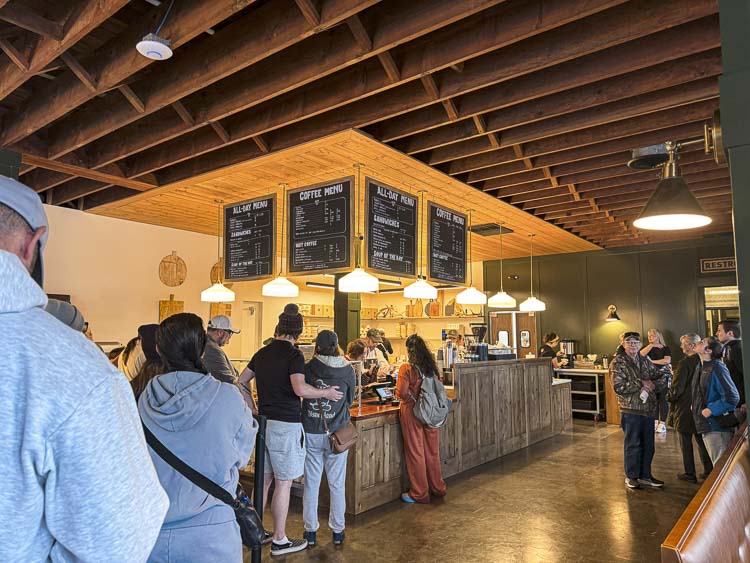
(499, 407)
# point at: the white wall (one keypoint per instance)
(110, 269)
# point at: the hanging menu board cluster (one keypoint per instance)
(320, 227)
(249, 238)
(447, 245)
(391, 230)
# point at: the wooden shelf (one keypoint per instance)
(425, 318)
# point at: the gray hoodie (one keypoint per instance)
(78, 482)
(208, 426)
(322, 372)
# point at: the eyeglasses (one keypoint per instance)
(632, 342)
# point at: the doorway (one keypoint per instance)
(722, 303)
(252, 328)
(516, 330)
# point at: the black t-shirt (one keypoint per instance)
(272, 365)
(659, 353)
(546, 351)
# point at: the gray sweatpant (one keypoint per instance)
(319, 457)
(716, 443)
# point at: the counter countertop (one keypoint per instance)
(374, 409)
(580, 370)
(499, 362)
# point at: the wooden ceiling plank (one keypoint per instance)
(80, 72)
(79, 188)
(132, 97)
(390, 66)
(430, 86)
(361, 36)
(26, 18)
(84, 172)
(262, 145)
(18, 58)
(450, 109)
(184, 114)
(310, 11)
(220, 131)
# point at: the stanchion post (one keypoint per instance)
(260, 457)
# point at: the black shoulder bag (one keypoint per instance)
(251, 528)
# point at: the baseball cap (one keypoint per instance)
(374, 335)
(631, 336)
(326, 339)
(222, 322)
(25, 201)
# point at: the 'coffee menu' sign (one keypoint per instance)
(320, 227)
(249, 238)
(447, 245)
(391, 230)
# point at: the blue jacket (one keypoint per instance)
(208, 426)
(714, 391)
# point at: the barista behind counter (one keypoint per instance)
(551, 340)
(372, 352)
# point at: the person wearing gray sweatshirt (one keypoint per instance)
(78, 482)
(326, 369)
(207, 425)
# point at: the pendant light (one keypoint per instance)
(672, 207)
(358, 280)
(218, 292)
(501, 300)
(280, 286)
(471, 295)
(532, 304)
(421, 289)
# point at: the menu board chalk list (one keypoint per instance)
(249, 238)
(391, 230)
(447, 245)
(320, 227)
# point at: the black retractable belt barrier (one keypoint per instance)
(260, 458)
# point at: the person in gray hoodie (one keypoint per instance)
(206, 424)
(326, 369)
(78, 483)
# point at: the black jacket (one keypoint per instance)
(732, 357)
(681, 394)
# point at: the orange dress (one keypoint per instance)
(421, 445)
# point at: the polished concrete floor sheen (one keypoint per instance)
(560, 500)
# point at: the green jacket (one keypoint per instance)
(627, 379)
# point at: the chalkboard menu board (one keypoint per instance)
(320, 227)
(447, 245)
(249, 238)
(391, 230)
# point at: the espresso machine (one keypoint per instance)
(568, 348)
(481, 348)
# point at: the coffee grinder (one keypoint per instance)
(481, 348)
(568, 348)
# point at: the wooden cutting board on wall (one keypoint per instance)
(172, 270)
(169, 307)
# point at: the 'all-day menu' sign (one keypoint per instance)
(391, 230)
(249, 238)
(447, 245)
(320, 227)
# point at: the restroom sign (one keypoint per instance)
(712, 265)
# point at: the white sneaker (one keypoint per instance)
(661, 428)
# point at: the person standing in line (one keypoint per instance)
(152, 364)
(78, 482)
(279, 371)
(714, 394)
(217, 363)
(636, 380)
(728, 333)
(208, 426)
(327, 368)
(681, 398)
(421, 443)
(661, 356)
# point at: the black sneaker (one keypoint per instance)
(653, 482)
(338, 537)
(310, 537)
(687, 477)
(291, 546)
(267, 538)
(632, 483)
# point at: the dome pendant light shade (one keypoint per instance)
(532, 305)
(420, 289)
(502, 300)
(280, 287)
(672, 206)
(471, 296)
(358, 281)
(217, 293)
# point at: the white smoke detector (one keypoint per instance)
(154, 47)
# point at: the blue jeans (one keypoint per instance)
(639, 445)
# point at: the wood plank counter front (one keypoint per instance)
(499, 407)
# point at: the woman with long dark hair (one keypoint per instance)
(207, 425)
(421, 446)
(151, 364)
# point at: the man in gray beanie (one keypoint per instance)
(279, 373)
(78, 481)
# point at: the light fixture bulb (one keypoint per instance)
(217, 293)
(280, 287)
(358, 281)
(420, 289)
(502, 300)
(471, 296)
(533, 305)
(667, 222)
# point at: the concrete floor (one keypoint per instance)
(560, 500)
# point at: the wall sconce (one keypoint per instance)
(612, 315)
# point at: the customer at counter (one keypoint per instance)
(219, 333)
(636, 381)
(681, 398)
(660, 355)
(372, 352)
(421, 445)
(547, 350)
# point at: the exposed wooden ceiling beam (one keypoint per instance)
(361, 36)
(390, 66)
(310, 10)
(81, 73)
(24, 17)
(220, 131)
(132, 97)
(20, 60)
(85, 172)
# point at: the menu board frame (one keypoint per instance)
(349, 232)
(430, 206)
(225, 233)
(368, 184)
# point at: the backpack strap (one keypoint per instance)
(421, 376)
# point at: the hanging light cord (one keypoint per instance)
(468, 235)
(531, 266)
(422, 205)
(218, 239)
(501, 257)
(164, 19)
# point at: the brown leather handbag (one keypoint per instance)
(343, 439)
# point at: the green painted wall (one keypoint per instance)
(656, 286)
(10, 163)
